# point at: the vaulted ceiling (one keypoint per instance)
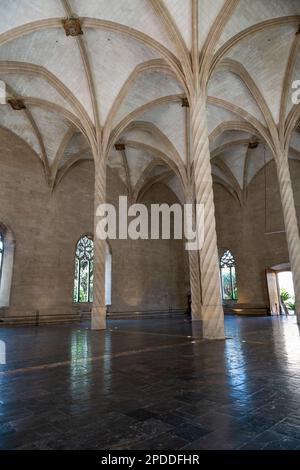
(125, 77)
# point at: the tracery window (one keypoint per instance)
(1, 253)
(84, 266)
(83, 280)
(7, 249)
(228, 276)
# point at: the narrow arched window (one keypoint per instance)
(108, 274)
(228, 276)
(83, 280)
(1, 253)
(84, 271)
(7, 249)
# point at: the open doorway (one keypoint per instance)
(281, 290)
(286, 289)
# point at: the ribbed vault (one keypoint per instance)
(127, 76)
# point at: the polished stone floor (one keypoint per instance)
(151, 384)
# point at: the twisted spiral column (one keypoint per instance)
(290, 222)
(99, 307)
(212, 309)
(194, 271)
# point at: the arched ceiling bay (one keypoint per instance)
(127, 75)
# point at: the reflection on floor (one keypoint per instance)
(151, 384)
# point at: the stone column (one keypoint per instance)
(290, 222)
(194, 272)
(212, 309)
(99, 307)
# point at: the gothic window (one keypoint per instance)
(84, 264)
(83, 281)
(228, 276)
(7, 249)
(1, 252)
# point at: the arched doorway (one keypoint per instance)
(281, 290)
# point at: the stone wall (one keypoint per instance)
(254, 235)
(47, 225)
(146, 275)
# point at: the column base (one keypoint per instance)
(197, 327)
(98, 318)
(196, 316)
(213, 322)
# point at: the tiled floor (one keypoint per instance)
(151, 384)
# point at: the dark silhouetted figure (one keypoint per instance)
(189, 308)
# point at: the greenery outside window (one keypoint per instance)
(83, 280)
(228, 276)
